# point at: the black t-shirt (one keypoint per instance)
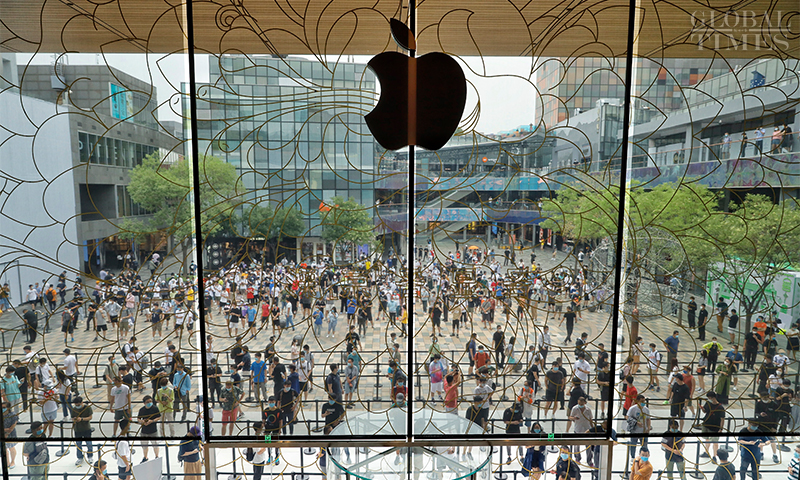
(680, 393)
(215, 370)
(733, 321)
(352, 338)
(335, 385)
(715, 413)
(498, 340)
(784, 404)
(128, 380)
(568, 468)
(511, 415)
(675, 443)
(473, 413)
(152, 373)
(85, 411)
(332, 413)
(287, 400)
(767, 408)
(692, 308)
(702, 316)
(574, 394)
(751, 341)
(554, 379)
(272, 421)
(151, 413)
(604, 377)
(236, 353)
(569, 317)
(278, 374)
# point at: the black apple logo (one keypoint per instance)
(421, 99)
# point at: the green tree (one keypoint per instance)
(347, 224)
(760, 240)
(167, 191)
(274, 225)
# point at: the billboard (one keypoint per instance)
(121, 102)
(781, 295)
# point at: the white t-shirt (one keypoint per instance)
(49, 405)
(260, 458)
(582, 365)
(70, 365)
(123, 450)
(44, 372)
(120, 395)
(652, 359)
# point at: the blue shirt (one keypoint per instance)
(672, 342)
(183, 382)
(294, 379)
(751, 453)
(318, 315)
(251, 315)
(258, 371)
(735, 357)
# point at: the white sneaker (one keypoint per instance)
(79, 461)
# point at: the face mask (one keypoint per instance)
(581, 406)
(40, 431)
(113, 362)
(331, 402)
(148, 404)
(537, 430)
(752, 428)
(673, 430)
(796, 454)
(644, 459)
(564, 456)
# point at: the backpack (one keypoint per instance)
(249, 454)
(66, 318)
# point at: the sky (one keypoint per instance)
(503, 86)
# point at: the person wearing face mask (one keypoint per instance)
(672, 343)
(111, 372)
(582, 418)
(724, 374)
(554, 381)
(512, 417)
(272, 421)
(333, 412)
(642, 469)
(750, 448)
(149, 418)
(537, 453)
(566, 467)
(794, 464)
(725, 469)
(351, 382)
(751, 343)
(81, 416)
(36, 453)
(673, 443)
(99, 471)
(288, 404)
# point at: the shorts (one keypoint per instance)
(456, 322)
(550, 395)
(101, 328)
(120, 414)
(229, 416)
(676, 411)
(437, 322)
(348, 388)
(305, 386)
(113, 319)
(276, 322)
(49, 416)
(472, 363)
(710, 433)
(437, 387)
(123, 472)
(731, 329)
(153, 442)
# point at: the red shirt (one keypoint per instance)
(265, 310)
(450, 395)
(689, 381)
(481, 358)
(630, 395)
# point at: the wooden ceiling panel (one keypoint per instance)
(676, 28)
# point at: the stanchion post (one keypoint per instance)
(64, 449)
(696, 473)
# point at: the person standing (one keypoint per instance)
(725, 469)
(81, 414)
(702, 320)
(642, 469)
(794, 464)
(759, 136)
(123, 451)
(189, 453)
(165, 398)
(31, 323)
(148, 417)
(712, 422)
(499, 345)
(722, 312)
(36, 453)
(691, 313)
(569, 317)
(672, 343)
(638, 423)
(750, 448)
(672, 444)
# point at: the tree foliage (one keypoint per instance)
(347, 222)
(167, 191)
(274, 225)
